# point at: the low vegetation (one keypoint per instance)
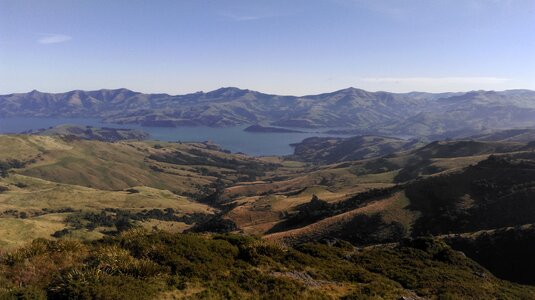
(5, 166)
(147, 265)
(117, 220)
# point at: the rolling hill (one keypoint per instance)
(182, 168)
(329, 150)
(63, 185)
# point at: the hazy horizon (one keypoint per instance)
(268, 93)
(275, 47)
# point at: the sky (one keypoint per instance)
(292, 47)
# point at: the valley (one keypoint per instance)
(372, 192)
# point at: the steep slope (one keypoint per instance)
(497, 192)
(507, 252)
(486, 210)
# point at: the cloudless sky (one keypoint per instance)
(278, 46)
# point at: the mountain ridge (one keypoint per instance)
(414, 113)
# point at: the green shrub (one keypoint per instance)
(138, 264)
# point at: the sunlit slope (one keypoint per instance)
(34, 208)
(35, 194)
(181, 168)
(25, 148)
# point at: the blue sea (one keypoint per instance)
(234, 139)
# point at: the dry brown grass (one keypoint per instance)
(393, 207)
(18, 232)
(41, 194)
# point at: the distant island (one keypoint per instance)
(260, 128)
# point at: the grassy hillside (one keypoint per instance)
(63, 186)
(182, 168)
(333, 150)
(32, 207)
(496, 192)
(262, 205)
(370, 220)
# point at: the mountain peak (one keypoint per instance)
(230, 89)
(35, 94)
(351, 91)
(119, 90)
(227, 91)
(347, 90)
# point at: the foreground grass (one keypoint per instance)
(146, 265)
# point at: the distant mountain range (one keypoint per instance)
(415, 114)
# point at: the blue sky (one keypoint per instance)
(279, 46)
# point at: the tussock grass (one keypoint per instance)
(143, 265)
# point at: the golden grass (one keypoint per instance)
(45, 194)
(17, 232)
(393, 208)
(25, 147)
(39, 194)
(168, 226)
(398, 211)
(110, 166)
